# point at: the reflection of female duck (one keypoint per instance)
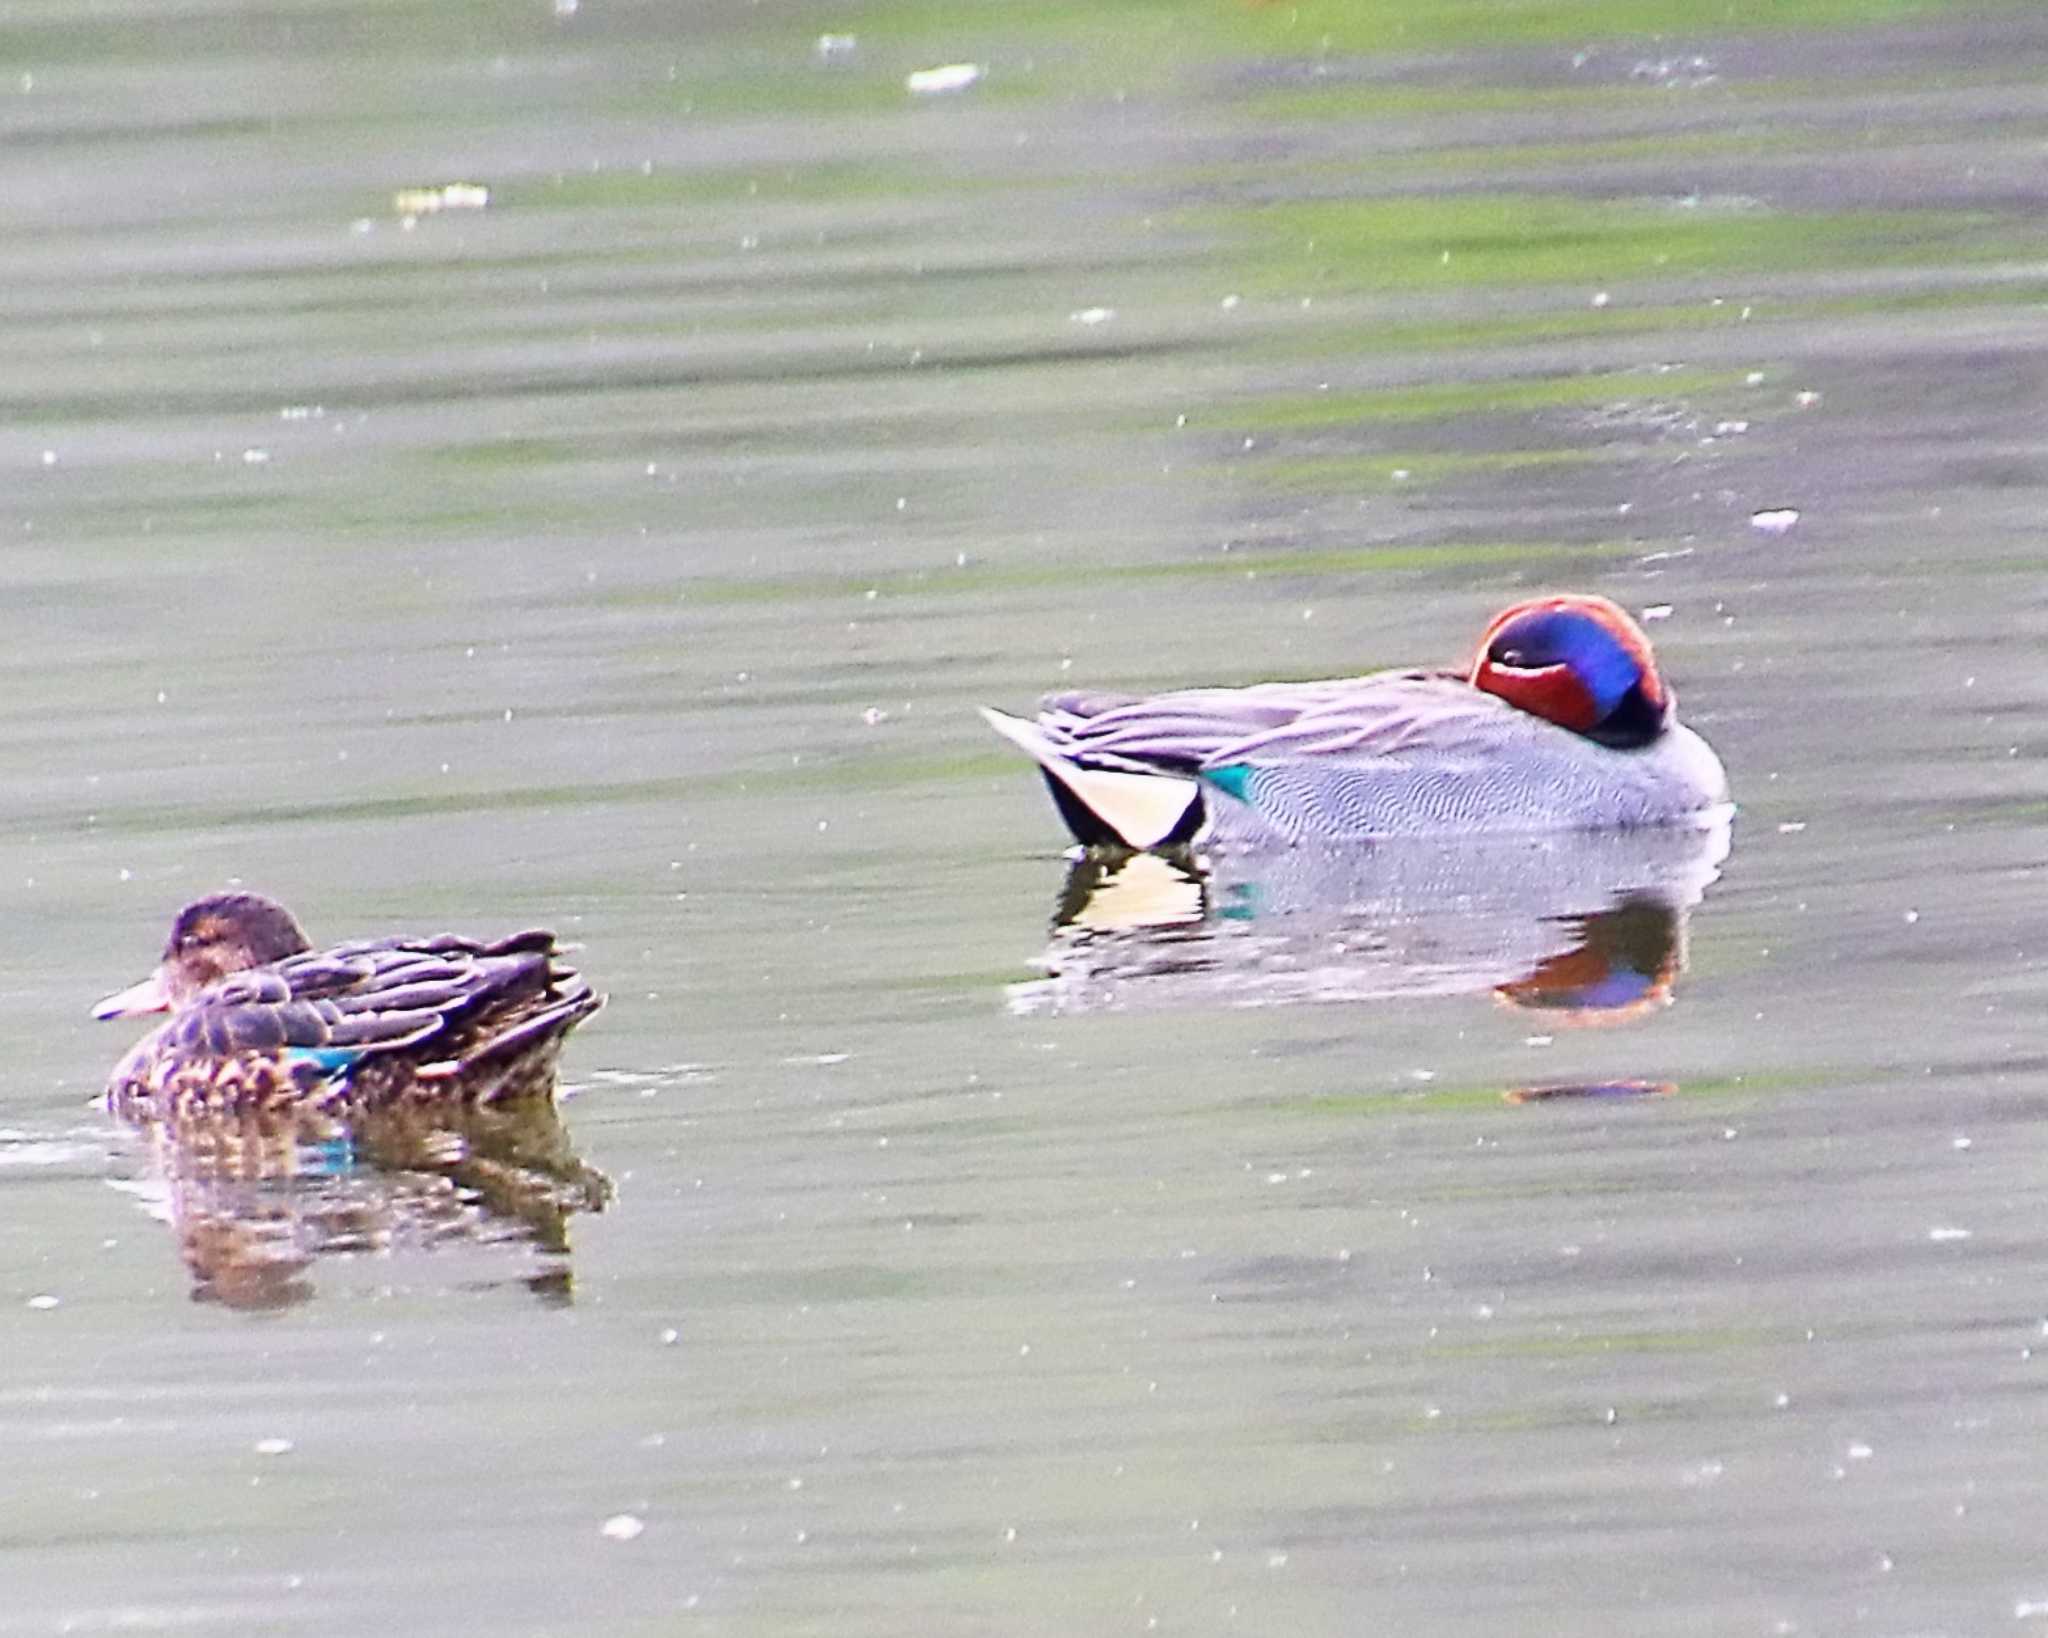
(1587, 926)
(256, 1197)
(259, 1020)
(1560, 722)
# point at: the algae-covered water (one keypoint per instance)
(937, 1238)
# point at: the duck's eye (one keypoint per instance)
(1513, 657)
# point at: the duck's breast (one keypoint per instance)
(1415, 756)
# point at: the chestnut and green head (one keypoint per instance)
(1579, 662)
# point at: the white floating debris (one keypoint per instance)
(1601, 298)
(1791, 827)
(273, 1447)
(1859, 1452)
(1657, 611)
(567, 8)
(937, 82)
(1725, 428)
(452, 196)
(621, 1527)
(836, 48)
(1092, 315)
(1231, 303)
(45, 1301)
(1775, 521)
(255, 457)
(1942, 1235)
(1806, 400)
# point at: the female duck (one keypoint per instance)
(1560, 722)
(261, 1021)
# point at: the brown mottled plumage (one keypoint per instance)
(260, 1020)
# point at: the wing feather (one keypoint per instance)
(1398, 716)
(1192, 728)
(373, 996)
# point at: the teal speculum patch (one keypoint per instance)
(327, 1060)
(1234, 778)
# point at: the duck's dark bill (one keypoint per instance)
(148, 996)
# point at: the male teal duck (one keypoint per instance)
(259, 1020)
(1559, 722)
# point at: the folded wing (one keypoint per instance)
(343, 1005)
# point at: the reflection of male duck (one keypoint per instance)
(256, 1198)
(1588, 926)
(1624, 964)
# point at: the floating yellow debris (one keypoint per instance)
(427, 201)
